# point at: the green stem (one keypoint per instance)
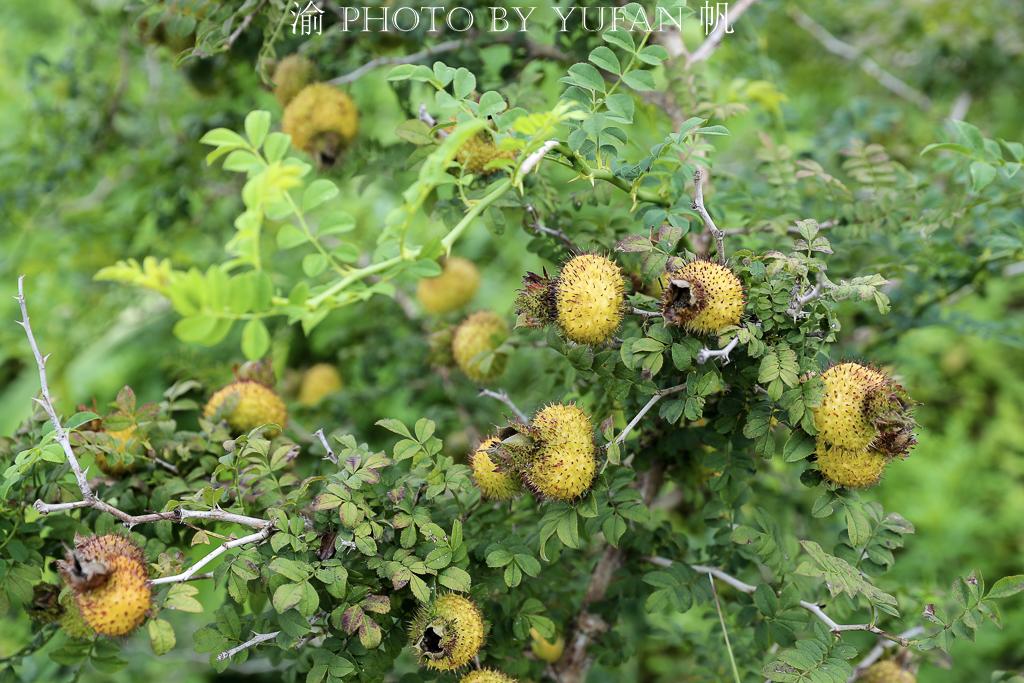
(338, 268)
(354, 276)
(580, 164)
(453, 235)
(725, 632)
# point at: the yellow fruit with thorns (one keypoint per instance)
(246, 405)
(854, 468)
(703, 297)
(494, 483)
(110, 583)
(862, 407)
(452, 289)
(564, 462)
(486, 676)
(319, 382)
(886, 672)
(546, 650)
(322, 121)
(447, 633)
(475, 346)
(479, 151)
(590, 299)
(291, 75)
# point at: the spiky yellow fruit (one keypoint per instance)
(452, 289)
(447, 633)
(122, 460)
(703, 297)
(319, 382)
(486, 676)
(246, 405)
(110, 583)
(564, 463)
(854, 468)
(544, 649)
(863, 409)
(887, 672)
(322, 121)
(590, 299)
(841, 418)
(479, 151)
(291, 75)
(475, 344)
(494, 483)
(71, 621)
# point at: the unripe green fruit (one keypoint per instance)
(544, 649)
(479, 151)
(486, 676)
(452, 289)
(291, 75)
(475, 343)
(447, 633)
(703, 297)
(319, 382)
(110, 582)
(494, 483)
(71, 621)
(122, 461)
(590, 299)
(251, 405)
(564, 463)
(850, 467)
(887, 672)
(322, 121)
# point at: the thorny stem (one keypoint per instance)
(504, 398)
(500, 189)
(879, 649)
(658, 395)
(709, 223)
(534, 223)
(814, 609)
(581, 165)
(90, 499)
(706, 354)
(319, 434)
(256, 639)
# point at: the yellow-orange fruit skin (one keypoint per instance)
(546, 650)
(456, 630)
(493, 483)
(479, 151)
(590, 299)
(486, 676)
(478, 335)
(841, 419)
(291, 75)
(718, 293)
(110, 583)
(886, 672)
(319, 382)
(854, 468)
(452, 289)
(564, 465)
(256, 405)
(320, 110)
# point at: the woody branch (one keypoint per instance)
(709, 224)
(89, 497)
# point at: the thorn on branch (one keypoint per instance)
(646, 314)
(700, 208)
(319, 434)
(532, 221)
(504, 398)
(706, 354)
(534, 159)
(256, 639)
